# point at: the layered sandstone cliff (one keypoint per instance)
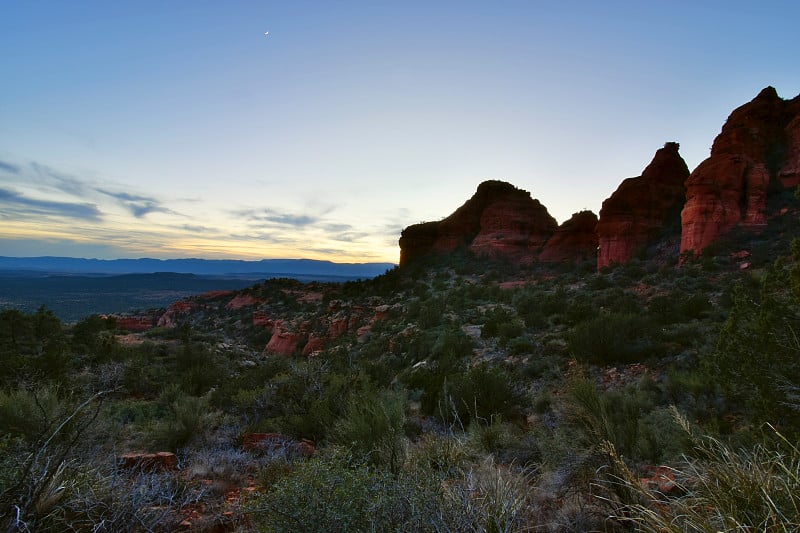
(642, 209)
(757, 149)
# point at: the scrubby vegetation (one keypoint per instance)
(471, 396)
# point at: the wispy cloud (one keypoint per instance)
(139, 206)
(197, 229)
(8, 167)
(17, 204)
(59, 180)
(272, 217)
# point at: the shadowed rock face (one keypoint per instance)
(574, 240)
(758, 147)
(641, 208)
(498, 221)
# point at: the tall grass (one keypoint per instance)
(723, 489)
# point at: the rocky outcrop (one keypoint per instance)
(284, 341)
(134, 323)
(242, 300)
(758, 148)
(642, 208)
(499, 221)
(175, 312)
(574, 240)
(148, 462)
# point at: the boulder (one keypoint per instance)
(150, 462)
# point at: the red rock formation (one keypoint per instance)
(175, 311)
(498, 221)
(135, 323)
(283, 341)
(759, 145)
(242, 300)
(574, 240)
(640, 209)
(261, 319)
(315, 344)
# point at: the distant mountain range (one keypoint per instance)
(207, 267)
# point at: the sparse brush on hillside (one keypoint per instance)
(472, 397)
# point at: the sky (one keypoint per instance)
(178, 128)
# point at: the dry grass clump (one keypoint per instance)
(723, 489)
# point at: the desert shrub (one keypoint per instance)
(579, 310)
(94, 335)
(662, 440)
(302, 402)
(544, 366)
(726, 489)
(611, 338)
(197, 367)
(527, 303)
(373, 428)
(494, 498)
(755, 361)
(610, 416)
(445, 453)
(555, 303)
(450, 346)
(29, 413)
(445, 356)
(520, 345)
(32, 346)
(430, 312)
(40, 470)
(224, 466)
(482, 392)
(248, 379)
(500, 323)
(334, 492)
(187, 418)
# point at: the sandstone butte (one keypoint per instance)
(757, 151)
(642, 208)
(499, 220)
(758, 148)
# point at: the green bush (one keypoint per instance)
(616, 417)
(751, 489)
(483, 392)
(373, 428)
(188, 418)
(612, 338)
(333, 492)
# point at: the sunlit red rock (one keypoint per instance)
(642, 208)
(759, 146)
(283, 341)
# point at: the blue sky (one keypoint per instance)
(178, 129)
